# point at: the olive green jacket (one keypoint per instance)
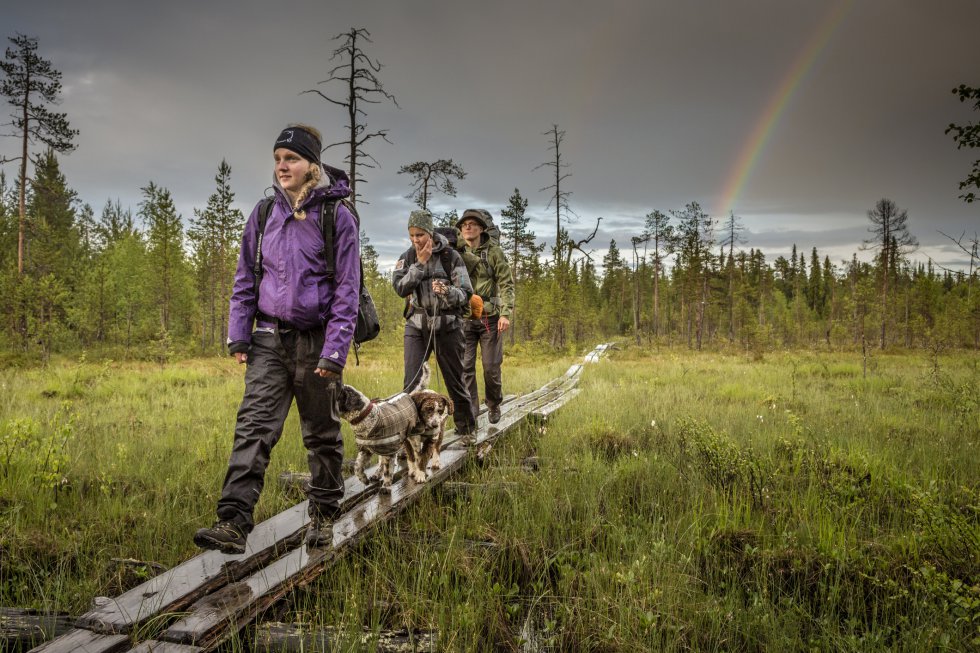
(496, 289)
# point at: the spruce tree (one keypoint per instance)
(165, 240)
(215, 234)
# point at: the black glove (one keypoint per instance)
(334, 372)
(238, 347)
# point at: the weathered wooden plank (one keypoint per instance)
(84, 641)
(596, 354)
(177, 588)
(545, 411)
(239, 603)
(21, 629)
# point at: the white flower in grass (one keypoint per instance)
(760, 418)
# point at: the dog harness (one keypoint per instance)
(396, 417)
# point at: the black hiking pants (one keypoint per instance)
(448, 345)
(483, 333)
(281, 367)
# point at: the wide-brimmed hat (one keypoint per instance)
(473, 214)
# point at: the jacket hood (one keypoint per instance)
(439, 243)
(484, 242)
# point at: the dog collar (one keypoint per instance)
(364, 413)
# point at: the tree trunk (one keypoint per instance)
(22, 203)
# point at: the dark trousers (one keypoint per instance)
(485, 335)
(280, 367)
(448, 345)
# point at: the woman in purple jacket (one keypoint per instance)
(293, 330)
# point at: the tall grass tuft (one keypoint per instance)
(710, 501)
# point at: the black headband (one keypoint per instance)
(301, 142)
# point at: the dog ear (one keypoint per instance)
(450, 406)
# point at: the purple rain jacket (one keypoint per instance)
(294, 286)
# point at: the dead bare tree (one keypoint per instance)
(559, 197)
(359, 73)
(733, 234)
(636, 240)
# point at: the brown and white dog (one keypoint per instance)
(425, 440)
(383, 427)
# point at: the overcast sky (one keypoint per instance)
(841, 104)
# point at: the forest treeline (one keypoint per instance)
(155, 285)
(147, 283)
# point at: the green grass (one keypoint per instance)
(684, 502)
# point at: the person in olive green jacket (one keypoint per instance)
(492, 280)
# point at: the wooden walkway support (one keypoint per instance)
(200, 603)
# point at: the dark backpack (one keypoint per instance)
(450, 234)
(368, 326)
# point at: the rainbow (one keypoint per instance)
(759, 137)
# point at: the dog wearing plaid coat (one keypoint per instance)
(382, 427)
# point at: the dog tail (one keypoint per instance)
(424, 377)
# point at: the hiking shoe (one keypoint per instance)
(494, 414)
(224, 536)
(319, 532)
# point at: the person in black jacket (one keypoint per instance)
(432, 275)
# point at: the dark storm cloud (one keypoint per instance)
(657, 100)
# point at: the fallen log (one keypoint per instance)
(22, 629)
(297, 638)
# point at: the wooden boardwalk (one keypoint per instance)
(198, 604)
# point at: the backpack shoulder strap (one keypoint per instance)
(485, 256)
(446, 256)
(328, 222)
(265, 208)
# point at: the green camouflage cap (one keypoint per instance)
(421, 219)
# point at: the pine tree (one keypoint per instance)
(660, 233)
(521, 247)
(968, 136)
(695, 238)
(31, 83)
(893, 241)
(429, 178)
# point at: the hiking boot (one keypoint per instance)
(319, 532)
(224, 536)
(494, 414)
